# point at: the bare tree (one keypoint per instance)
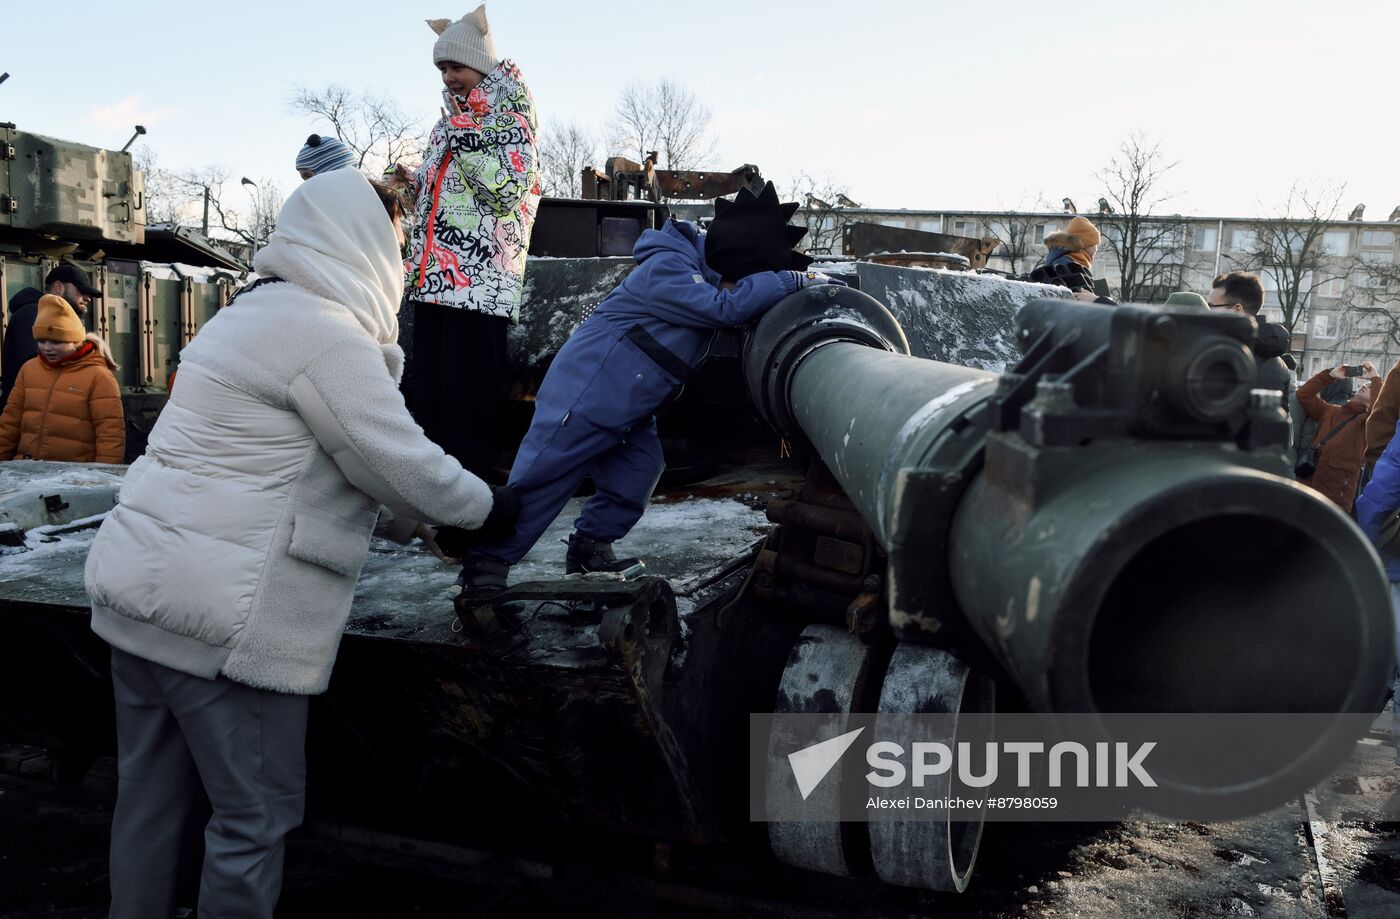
(229, 217)
(1371, 310)
(565, 148)
(1288, 248)
(165, 199)
(211, 201)
(375, 126)
(666, 117)
(825, 212)
(1149, 247)
(1016, 235)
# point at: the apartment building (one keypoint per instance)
(1351, 311)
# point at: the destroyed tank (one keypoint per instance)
(932, 491)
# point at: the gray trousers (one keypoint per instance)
(179, 739)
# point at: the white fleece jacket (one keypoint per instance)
(240, 533)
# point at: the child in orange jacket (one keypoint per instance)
(66, 405)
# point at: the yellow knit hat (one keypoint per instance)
(1084, 231)
(56, 321)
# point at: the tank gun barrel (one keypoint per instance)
(1112, 519)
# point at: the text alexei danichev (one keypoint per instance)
(962, 804)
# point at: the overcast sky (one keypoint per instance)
(936, 105)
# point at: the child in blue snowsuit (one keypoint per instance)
(595, 414)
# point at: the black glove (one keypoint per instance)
(498, 526)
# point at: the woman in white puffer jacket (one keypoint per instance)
(224, 577)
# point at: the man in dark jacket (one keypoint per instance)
(67, 281)
(1343, 427)
(1241, 292)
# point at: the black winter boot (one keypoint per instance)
(587, 556)
(483, 620)
(479, 580)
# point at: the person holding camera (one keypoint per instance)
(1333, 467)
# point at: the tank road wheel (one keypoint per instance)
(932, 854)
(829, 671)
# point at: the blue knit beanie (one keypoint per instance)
(323, 154)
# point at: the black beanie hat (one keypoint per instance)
(751, 234)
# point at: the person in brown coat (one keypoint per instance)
(66, 405)
(1338, 473)
(1380, 424)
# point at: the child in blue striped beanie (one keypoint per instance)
(323, 154)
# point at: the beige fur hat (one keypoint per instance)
(466, 41)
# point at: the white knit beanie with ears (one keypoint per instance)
(466, 41)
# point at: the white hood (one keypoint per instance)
(334, 239)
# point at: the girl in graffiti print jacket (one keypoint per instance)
(475, 196)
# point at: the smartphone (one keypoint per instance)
(1355, 370)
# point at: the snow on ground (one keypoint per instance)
(48, 570)
(684, 539)
(27, 475)
(402, 588)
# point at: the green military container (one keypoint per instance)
(62, 202)
(69, 191)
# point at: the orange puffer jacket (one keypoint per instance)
(69, 411)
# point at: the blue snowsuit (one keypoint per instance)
(1381, 497)
(595, 414)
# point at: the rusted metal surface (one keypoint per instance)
(862, 239)
(623, 179)
(845, 525)
(823, 559)
(794, 569)
(630, 179)
(676, 183)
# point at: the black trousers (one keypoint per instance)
(458, 381)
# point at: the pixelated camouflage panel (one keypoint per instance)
(70, 190)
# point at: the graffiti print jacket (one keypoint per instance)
(475, 200)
